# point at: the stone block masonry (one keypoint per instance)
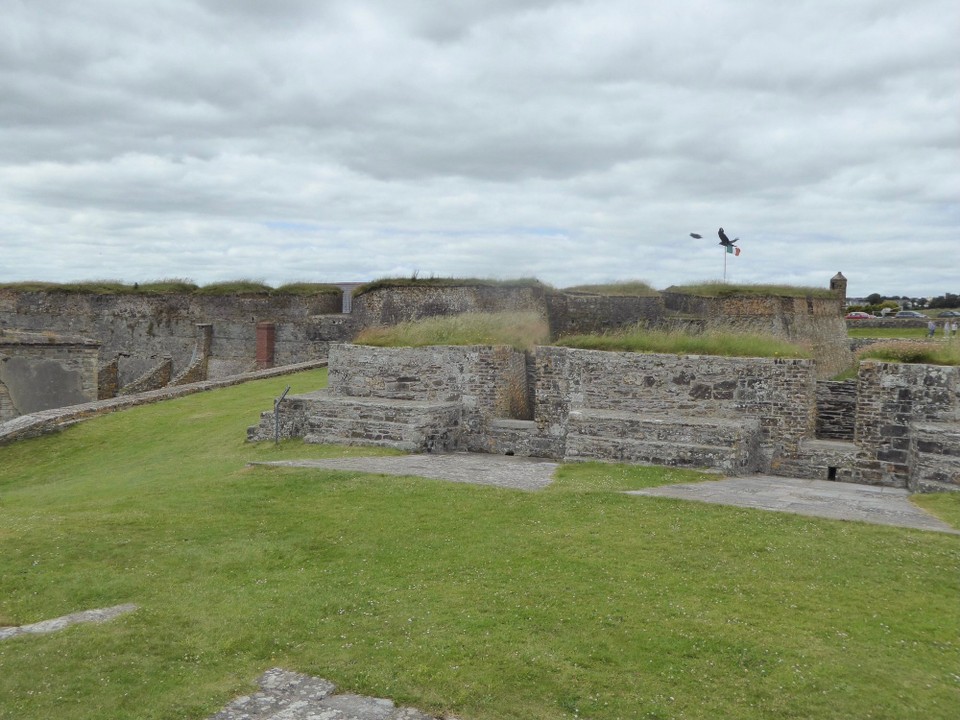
(734, 415)
(143, 329)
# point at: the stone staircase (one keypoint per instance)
(411, 425)
(937, 465)
(730, 446)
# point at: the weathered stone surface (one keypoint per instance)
(44, 627)
(286, 695)
(736, 415)
(39, 371)
(836, 409)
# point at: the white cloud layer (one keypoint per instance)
(571, 141)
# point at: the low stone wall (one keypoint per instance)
(779, 393)
(39, 371)
(489, 381)
(891, 399)
(735, 415)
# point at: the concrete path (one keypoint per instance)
(517, 473)
(819, 498)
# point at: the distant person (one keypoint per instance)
(954, 326)
(931, 328)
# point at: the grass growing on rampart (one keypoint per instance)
(446, 282)
(925, 353)
(635, 288)
(521, 330)
(639, 339)
(721, 289)
(173, 286)
(491, 604)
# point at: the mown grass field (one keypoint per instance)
(574, 602)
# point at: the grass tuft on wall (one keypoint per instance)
(633, 288)
(719, 289)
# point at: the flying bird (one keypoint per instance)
(724, 240)
(694, 235)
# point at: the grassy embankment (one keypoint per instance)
(577, 601)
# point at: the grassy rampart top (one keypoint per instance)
(172, 287)
(446, 282)
(721, 290)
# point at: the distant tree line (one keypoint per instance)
(875, 302)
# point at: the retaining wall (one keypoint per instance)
(781, 394)
(39, 371)
(140, 330)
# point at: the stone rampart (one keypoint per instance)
(393, 305)
(816, 322)
(583, 313)
(141, 329)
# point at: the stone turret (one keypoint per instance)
(838, 284)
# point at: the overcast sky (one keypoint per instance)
(574, 142)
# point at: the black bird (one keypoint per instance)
(694, 235)
(724, 240)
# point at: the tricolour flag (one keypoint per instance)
(733, 249)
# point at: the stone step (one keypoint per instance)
(414, 426)
(729, 460)
(677, 429)
(729, 446)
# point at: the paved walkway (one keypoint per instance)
(819, 498)
(517, 473)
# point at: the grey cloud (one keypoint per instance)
(166, 138)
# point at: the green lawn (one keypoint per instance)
(890, 332)
(574, 602)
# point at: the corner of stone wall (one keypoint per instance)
(108, 379)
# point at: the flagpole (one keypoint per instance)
(724, 265)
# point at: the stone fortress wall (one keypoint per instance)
(148, 341)
(140, 331)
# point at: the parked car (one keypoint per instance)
(910, 314)
(949, 313)
(858, 315)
